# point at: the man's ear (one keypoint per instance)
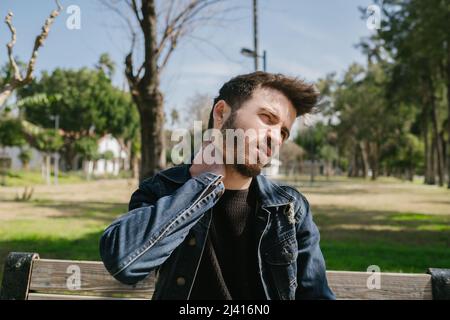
(221, 112)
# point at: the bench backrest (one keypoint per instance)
(26, 276)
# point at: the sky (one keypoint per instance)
(303, 38)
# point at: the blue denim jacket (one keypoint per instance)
(168, 222)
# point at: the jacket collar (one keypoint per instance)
(271, 194)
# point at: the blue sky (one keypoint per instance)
(305, 38)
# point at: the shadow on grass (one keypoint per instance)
(83, 248)
(354, 239)
(100, 211)
(406, 228)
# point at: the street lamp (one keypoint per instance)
(56, 154)
(252, 54)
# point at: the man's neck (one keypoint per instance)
(233, 180)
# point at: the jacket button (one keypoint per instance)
(181, 281)
(192, 241)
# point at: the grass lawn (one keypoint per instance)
(399, 226)
(64, 221)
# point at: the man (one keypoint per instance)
(223, 230)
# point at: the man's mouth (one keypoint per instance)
(269, 151)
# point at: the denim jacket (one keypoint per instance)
(168, 222)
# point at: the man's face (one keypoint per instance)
(268, 115)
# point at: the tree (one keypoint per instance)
(11, 133)
(87, 147)
(291, 157)
(366, 121)
(18, 80)
(197, 108)
(312, 140)
(87, 103)
(48, 141)
(25, 157)
(162, 31)
(107, 65)
(415, 35)
(329, 154)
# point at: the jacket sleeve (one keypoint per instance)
(311, 271)
(141, 240)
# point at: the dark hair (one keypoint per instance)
(235, 92)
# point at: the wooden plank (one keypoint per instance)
(61, 276)
(41, 296)
(51, 276)
(404, 286)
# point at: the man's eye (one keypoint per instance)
(265, 118)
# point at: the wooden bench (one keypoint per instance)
(27, 277)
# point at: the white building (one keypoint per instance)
(98, 168)
(102, 166)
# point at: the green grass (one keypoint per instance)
(72, 236)
(23, 178)
(390, 257)
(30, 178)
(399, 226)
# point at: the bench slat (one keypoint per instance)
(404, 286)
(41, 296)
(53, 276)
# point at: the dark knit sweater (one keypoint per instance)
(229, 264)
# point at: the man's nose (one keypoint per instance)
(274, 136)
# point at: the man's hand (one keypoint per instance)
(199, 166)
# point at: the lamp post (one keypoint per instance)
(255, 33)
(251, 53)
(56, 154)
(254, 53)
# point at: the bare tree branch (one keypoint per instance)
(178, 26)
(173, 45)
(120, 14)
(39, 42)
(129, 73)
(16, 72)
(17, 79)
(133, 6)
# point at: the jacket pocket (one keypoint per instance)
(281, 262)
(282, 253)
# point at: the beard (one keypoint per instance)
(246, 169)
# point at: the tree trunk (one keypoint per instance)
(152, 135)
(353, 163)
(135, 167)
(444, 153)
(433, 162)
(374, 159)
(429, 167)
(365, 158)
(436, 137)
(410, 166)
(448, 113)
(47, 169)
(69, 154)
